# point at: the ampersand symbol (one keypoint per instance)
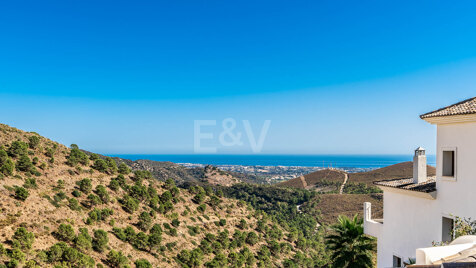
(228, 125)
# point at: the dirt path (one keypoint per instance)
(341, 190)
(304, 182)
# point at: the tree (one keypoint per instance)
(33, 141)
(24, 163)
(117, 259)
(65, 232)
(350, 246)
(84, 241)
(145, 221)
(124, 169)
(130, 204)
(100, 165)
(85, 185)
(21, 193)
(102, 193)
(100, 240)
(143, 263)
(23, 238)
(18, 148)
(252, 238)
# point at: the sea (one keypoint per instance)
(337, 161)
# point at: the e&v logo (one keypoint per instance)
(228, 136)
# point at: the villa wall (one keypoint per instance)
(412, 222)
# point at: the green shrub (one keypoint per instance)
(201, 208)
(76, 193)
(65, 232)
(142, 263)
(117, 259)
(130, 204)
(124, 169)
(21, 193)
(77, 156)
(145, 221)
(100, 165)
(102, 193)
(85, 185)
(252, 238)
(141, 241)
(83, 241)
(73, 204)
(114, 185)
(18, 148)
(23, 238)
(55, 253)
(30, 183)
(100, 240)
(7, 166)
(24, 163)
(33, 141)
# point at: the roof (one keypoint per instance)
(407, 184)
(461, 108)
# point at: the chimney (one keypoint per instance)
(419, 166)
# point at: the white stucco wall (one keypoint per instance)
(412, 222)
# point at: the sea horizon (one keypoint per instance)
(318, 160)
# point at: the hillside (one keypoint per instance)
(400, 170)
(163, 170)
(61, 206)
(333, 178)
(321, 180)
(328, 207)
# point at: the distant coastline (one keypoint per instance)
(323, 161)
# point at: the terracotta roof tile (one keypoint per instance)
(465, 107)
(407, 184)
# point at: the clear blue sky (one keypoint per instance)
(343, 77)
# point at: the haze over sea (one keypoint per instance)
(340, 161)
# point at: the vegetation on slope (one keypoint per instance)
(65, 208)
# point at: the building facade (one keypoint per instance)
(421, 210)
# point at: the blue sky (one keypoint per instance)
(333, 77)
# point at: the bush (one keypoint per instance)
(23, 238)
(84, 241)
(114, 185)
(143, 263)
(30, 183)
(55, 253)
(145, 221)
(33, 141)
(141, 241)
(201, 208)
(190, 258)
(130, 204)
(76, 193)
(175, 223)
(74, 204)
(154, 240)
(102, 193)
(65, 232)
(85, 185)
(24, 163)
(21, 193)
(124, 169)
(18, 148)
(100, 165)
(117, 259)
(77, 156)
(100, 240)
(7, 166)
(252, 238)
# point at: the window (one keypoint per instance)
(447, 229)
(448, 163)
(397, 261)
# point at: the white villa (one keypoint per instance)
(421, 210)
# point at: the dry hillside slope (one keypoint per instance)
(59, 205)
